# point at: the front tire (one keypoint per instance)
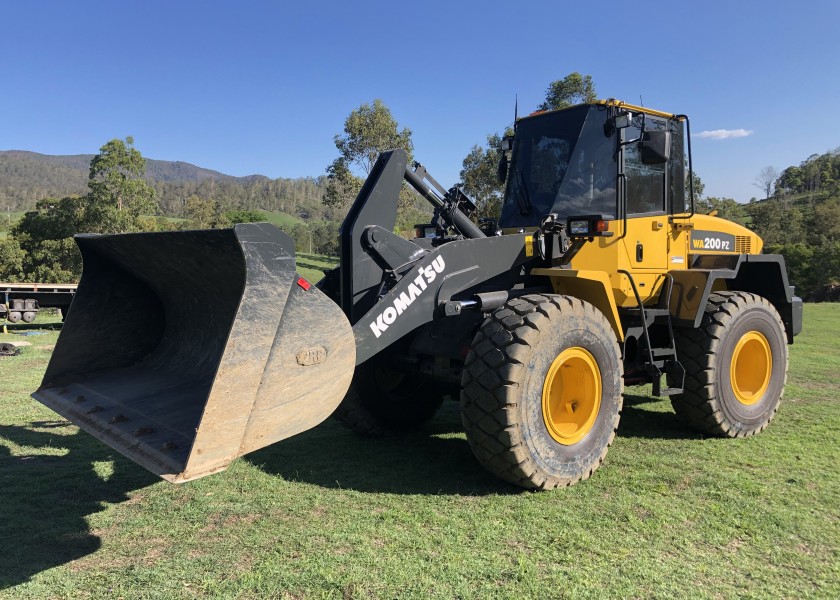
(736, 366)
(541, 396)
(382, 400)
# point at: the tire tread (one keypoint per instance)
(488, 404)
(699, 406)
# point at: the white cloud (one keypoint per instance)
(724, 134)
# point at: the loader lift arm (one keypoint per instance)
(382, 274)
(369, 249)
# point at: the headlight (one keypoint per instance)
(579, 227)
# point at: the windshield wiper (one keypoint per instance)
(523, 198)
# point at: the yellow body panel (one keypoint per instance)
(593, 286)
(637, 109)
(653, 246)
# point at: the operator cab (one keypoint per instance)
(606, 158)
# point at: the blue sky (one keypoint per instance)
(262, 87)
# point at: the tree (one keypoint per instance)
(826, 220)
(342, 186)
(480, 180)
(11, 260)
(827, 256)
(765, 180)
(52, 219)
(574, 88)
(699, 187)
(117, 198)
(45, 235)
(368, 131)
(776, 223)
(324, 237)
(205, 214)
(245, 216)
(200, 212)
(726, 208)
(790, 180)
(118, 194)
(52, 261)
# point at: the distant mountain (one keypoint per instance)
(26, 177)
(162, 170)
(21, 168)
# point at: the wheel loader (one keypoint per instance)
(185, 350)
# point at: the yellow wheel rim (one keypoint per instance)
(571, 395)
(751, 366)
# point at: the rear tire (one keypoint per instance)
(736, 366)
(542, 386)
(382, 401)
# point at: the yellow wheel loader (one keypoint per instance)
(184, 350)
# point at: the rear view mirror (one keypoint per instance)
(655, 147)
(505, 146)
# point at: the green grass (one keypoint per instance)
(326, 514)
(312, 266)
(7, 221)
(281, 219)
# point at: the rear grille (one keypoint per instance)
(742, 244)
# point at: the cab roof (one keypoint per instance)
(614, 103)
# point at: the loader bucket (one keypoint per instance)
(184, 350)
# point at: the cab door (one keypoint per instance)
(646, 242)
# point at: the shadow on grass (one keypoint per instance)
(24, 327)
(427, 461)
(45, 498)
(314, 266)
(637, 421)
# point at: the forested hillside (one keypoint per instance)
(800, 220)
(118, 191)
(27, 177)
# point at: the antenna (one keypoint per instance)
(641, 102)
(515, 110)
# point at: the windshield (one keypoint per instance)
(562, 163)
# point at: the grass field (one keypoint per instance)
(281, 219)
(312, 266)
(326, 514)
(7, 220)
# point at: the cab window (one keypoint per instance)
(645, 183)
